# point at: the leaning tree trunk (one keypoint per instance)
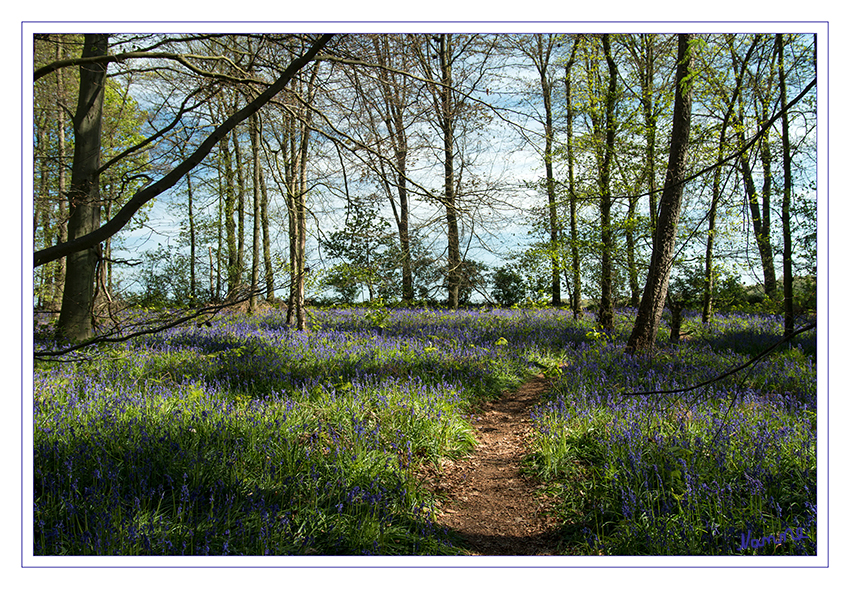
(76, 322)
(655, 291)
(761, 218)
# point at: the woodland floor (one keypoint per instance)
(485, 498)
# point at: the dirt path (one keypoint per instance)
(486, 500)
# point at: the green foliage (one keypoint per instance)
(165, 280)
(508, 286)
(473, 277)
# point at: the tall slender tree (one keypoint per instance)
(759, 210)
(655, 291)
(443, 47)
(606, 303)
(716, 193)
(539, 50)
(787, 243)
(571, 183)
(254, 132)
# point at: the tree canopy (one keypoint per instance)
(441, 167)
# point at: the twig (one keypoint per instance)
(735, 370)
(206, 311)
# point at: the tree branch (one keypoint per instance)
(123, 216)
(735, 370)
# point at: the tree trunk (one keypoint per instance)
(760, 229)
(216, 293)
(708, 279)
(634, 288)
(62, 222)
(75, 319)
(655, 291)
(576, 260)
(253, 127)
(606, 304)
(267, 250)
(447, 114)
(403, 223)
(766, 193)
(648, 102)
(761, 226)
(42, 211)
(192, 245)
(554, 231)
(787, 269)
(296, 141)
(647, 88)
(229, 222)
(240, 208)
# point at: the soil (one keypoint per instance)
(485, 499)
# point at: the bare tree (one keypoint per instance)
(455, 66)
(86, 233)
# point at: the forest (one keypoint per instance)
(278, 277)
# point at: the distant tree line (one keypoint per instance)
(644, 168)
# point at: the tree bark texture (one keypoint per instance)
(253, 128)
(655, 292)
(606, 304)
(229, 221)
(447, 116)
(76, 321)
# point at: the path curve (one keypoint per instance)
(485, 498)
